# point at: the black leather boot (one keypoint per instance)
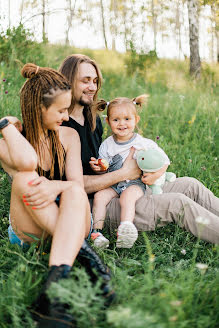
(96, 269)
(53, 314)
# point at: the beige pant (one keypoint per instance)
(182, 202)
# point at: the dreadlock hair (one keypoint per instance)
(69, 68)
(101, 105)
(41, 88)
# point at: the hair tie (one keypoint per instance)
(37, 69)
(134, 102)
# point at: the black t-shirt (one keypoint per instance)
(90, 141)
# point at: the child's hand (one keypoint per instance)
(149, 178)
(94, 164)
(98, 165)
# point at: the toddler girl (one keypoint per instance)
(122, 118)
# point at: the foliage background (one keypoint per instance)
(157, 282)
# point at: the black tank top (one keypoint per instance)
(57, 175)
(46, 174)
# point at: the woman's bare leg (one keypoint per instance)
(68, 224)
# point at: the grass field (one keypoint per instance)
(158, 282)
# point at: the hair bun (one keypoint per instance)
(29, 70)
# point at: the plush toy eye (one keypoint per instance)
(142, 158)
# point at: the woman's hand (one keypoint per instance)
(42, 192)
(15, 121)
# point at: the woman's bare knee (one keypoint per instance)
(78, 192)
(21, 179)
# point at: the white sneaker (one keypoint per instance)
(126, 235)
(99, 240)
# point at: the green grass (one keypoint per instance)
(157, 285)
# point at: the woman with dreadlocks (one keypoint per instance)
(47, 196)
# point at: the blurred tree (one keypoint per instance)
(42, 6)
(113, 21)
(127, 14)
(214, 4)
(103, 24)
(178, 26)
(195, 63)
(70, 14)
(154, 5)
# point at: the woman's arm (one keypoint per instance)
(73, 167)
(16, 153)
(44, 191)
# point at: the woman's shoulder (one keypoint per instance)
(67, 135)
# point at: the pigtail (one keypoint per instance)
(100, 105)
(140, 100)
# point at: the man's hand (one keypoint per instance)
(130, 167)
(42, 192)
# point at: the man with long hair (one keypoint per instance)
(182, 201)
(85, 78)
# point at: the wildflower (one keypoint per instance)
(183, 252)
(43, 253)
(176, 303)
(6, 92)
(190, 160)
(215, 158)
(202, 267)
(4, 80)
(181, 97)
(203, 168)
(201, 220)
(192, 120)
(157, 137)
(173, 318)
(152, 258)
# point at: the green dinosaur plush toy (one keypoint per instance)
(152, 160)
